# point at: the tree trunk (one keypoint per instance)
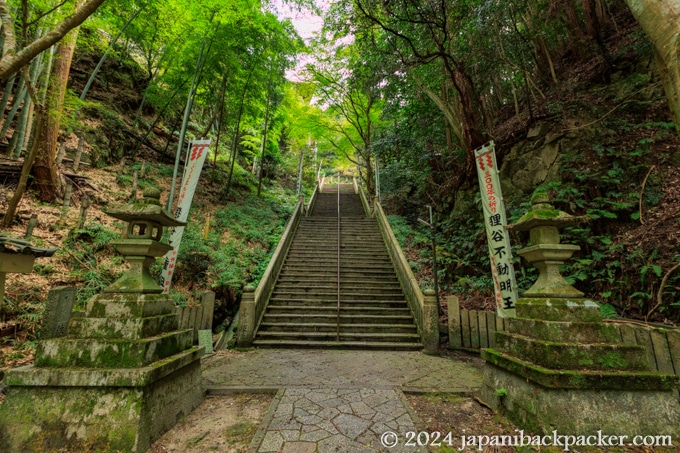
(45, 168)
(12, 60)
(660, 19)
(25, 170)
(264, 142)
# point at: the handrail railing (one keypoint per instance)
(423, 306)
(312, 201)
(364, 200)
(255, 301)
(337, 321)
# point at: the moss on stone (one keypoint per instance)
(575, 379)
(566, 356)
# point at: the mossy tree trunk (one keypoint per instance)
(26, 168)
(45, 168)
(660, 19)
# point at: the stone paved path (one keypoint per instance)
(336, 401)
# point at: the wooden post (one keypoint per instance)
(61, 153)
(491, 326)
(31, 226)
(674, 345)
(208, 302)
(84, 204)
(454, 322)
(644, 339)
(474, 329)
(662, 353)
(465, 327)
(67, 202)
(206, 232)
(133, 194)
(142, 171)
(483, 331)
(79, 154)
(3, 276)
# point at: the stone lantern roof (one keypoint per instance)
(11, 245)
(542, 213)
(147, 209)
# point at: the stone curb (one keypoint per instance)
(262, 429)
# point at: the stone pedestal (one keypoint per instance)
(559, 367)
(123, 374)
(563, 369)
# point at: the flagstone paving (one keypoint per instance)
(337, 401)
(281, 368)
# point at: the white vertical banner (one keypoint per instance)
(497, 234)
(192, 171)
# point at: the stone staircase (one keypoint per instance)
(303, 309)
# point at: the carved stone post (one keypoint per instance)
(430, 322)
(246, 331)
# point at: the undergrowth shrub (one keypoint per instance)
(83, 250)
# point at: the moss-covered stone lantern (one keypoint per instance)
(141, 244)
(560, 366)
(124, 373)
(543, 222)
(17, 256)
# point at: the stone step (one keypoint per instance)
(331, 249)
(370, 243)
(333, 267)
(349, 288)
(344, 319)
(332, 298)
(386, 304)
(344, 336)
(338, 345)
(332, 327)
(333, 279)
(346, 238)
(334, 220)
(332, 309)
(332, 293)
(303, 309)
(348, 258)
(330, 221)
(332, 272)
(331, 233)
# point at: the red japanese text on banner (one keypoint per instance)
(192, 171)
(497, 235)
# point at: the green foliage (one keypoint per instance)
(237, 248)
(82, 250)
(608, 311)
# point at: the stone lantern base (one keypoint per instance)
(559, 367)
(122, 376)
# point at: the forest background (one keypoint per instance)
(580, 97)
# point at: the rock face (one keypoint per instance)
(532, 162)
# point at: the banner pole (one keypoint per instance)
(498, 237)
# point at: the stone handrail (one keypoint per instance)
(423, 306)
(254, 301)
(364, 200)
(312, 201)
